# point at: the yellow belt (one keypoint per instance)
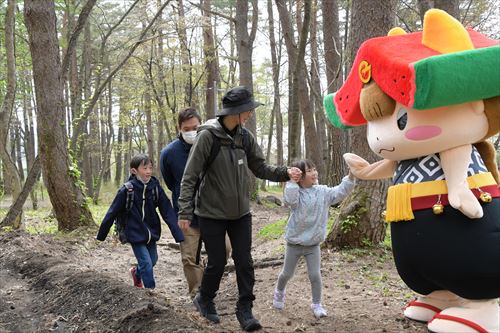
(399, 196)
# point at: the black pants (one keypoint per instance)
(450, 252)
(213, 233)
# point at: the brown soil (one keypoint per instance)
(77, 284)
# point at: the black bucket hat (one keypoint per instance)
(237, 100)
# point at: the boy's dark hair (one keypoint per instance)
(140, 159)
(187, 114)
(303, 165)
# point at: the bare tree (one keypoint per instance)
(10, 170)
(335, 165)
(211, 62)
(359, 221)
(275, 62)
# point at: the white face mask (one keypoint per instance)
(189, 137)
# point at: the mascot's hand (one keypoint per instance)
(361, 169)
(461, 198)
(356, 163)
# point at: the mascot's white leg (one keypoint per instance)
(425, 307)
(473, 316)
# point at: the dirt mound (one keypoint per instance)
(44, 292)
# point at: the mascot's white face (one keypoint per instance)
(410, 133)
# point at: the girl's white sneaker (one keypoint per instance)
(279, 299)
(318, 310)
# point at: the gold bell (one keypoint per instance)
(485, 197)
(383, 214)
(438, 208)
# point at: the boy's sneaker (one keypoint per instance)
(318, 310)
(206, 308)
(279, 299)
(246, 318)
(137, 280)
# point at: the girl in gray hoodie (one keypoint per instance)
(306, 229)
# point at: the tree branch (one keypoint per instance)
(229, 18)
(82, 19)
(81, 121)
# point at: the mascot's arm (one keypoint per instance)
(361, 169)
(455, 163)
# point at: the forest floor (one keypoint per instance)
(73, 283)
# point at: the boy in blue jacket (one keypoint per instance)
(143, 227)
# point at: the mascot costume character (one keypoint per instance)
(430, 100)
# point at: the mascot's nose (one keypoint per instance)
(423, 132)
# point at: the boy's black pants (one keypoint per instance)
(213, 233)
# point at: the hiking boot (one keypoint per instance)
(279, 299)
(206, 308)
(318, 310)
(137, 280)
(246, 318)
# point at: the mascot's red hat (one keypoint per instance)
(443, 65)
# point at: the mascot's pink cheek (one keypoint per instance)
(422, 132)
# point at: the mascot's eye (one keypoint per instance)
(402, 118)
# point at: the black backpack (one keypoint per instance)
(121, 219)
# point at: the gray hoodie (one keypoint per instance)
(224, 192)
(309, 210)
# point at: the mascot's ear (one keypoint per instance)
(477, 106)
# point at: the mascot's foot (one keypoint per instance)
(425, 307)
(472, 317)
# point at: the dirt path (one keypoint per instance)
(76, 284)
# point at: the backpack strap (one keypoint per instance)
(129, 201)
(214, 151)
(245, 140)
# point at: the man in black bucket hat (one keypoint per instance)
(237, 100)
(222, 202)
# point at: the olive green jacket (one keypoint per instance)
(224, 192)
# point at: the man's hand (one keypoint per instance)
(184, 224)
(295, 174)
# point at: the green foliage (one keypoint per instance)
(274, 230)
(348, 223)
(40, 222)
(274, 189)
(98, 212)
(387, 240)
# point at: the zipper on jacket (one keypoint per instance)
(143, 213)
(233, 151)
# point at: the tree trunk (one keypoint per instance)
(10, 171)
(62, 180)
(316, 98)
(160, 96)
(185, 54)
(359, 221)
(149, 124)
(275, 63)
(15, 211)
(211, 62)
(19, 156)
(244, 44)
(335, 165)
(449, 6)
(29, 134)
(119, 148)
(86, 146)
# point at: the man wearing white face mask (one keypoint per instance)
(173, 160)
